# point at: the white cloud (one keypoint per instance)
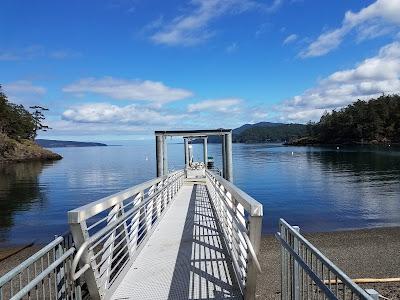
(232, 48)
(122, 89)
(24, 92)
(372, 77)
(8, 56)
(36, 51)
(64, 54)
(227, 105)
(104, 113)
(194, 27)
(379, 18)
(23, 87)
(291, 38)
(29, 52)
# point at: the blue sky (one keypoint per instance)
(119, 69)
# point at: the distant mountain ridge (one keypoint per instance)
(56, 143)
(263, 132)
(244, 127)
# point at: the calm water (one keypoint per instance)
(319, 189)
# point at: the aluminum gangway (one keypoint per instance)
(187, 234)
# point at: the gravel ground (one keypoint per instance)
(369, 253)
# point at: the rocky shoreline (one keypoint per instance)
(309, 141)
(366, 253)
(24, 150)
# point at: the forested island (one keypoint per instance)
(376, 121)
(266, 132)
(18, 129)
(58, 143)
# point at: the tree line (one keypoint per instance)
(17, 122)
(275, 133)
(373, 121)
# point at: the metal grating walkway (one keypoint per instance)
(184, 258)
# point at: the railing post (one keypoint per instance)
(295, 275)
(254, 226)
(373, 293)
(284, 266)
(80, 234)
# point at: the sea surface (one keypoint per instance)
(319, 189)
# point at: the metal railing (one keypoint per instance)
(240, 219)
(44, 275)
(111, 232)
(307, 274)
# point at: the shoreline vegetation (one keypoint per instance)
(18, 129)
(371, 122)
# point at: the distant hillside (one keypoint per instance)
(263, 132)
(57, 144)
(269, 132)
(244, 127)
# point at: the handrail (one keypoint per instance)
(240, 217)
(120, 220)
(43, 275)
(8, 276)
(334, 269)
(245, 235)
(89, 210)
(254, 207)
(253, 253)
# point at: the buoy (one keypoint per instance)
(292, 153)
(337, 148)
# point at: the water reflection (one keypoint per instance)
(320, 189)
(19, 191)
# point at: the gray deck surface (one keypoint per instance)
(184, 258)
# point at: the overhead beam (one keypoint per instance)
(193, 133)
